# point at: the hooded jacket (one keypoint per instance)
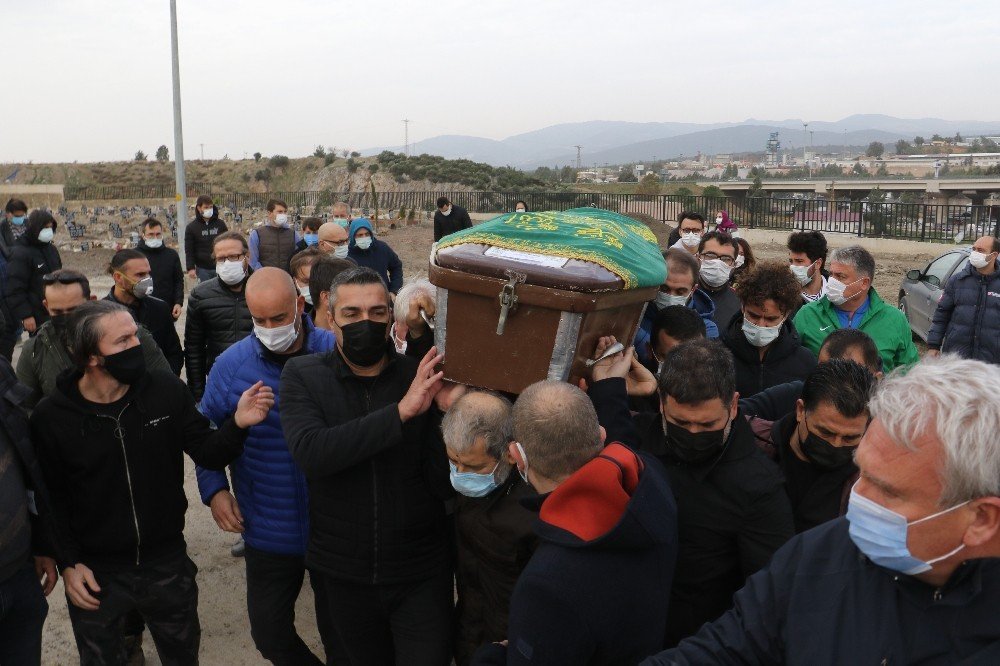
(595, 591)
(154, 314)
(30, 260)
(786, 359)
(270, 488)
(165, 268)
(199, 236)
(217, 317)
(967, 319)
(379, 257)
(700, 303)
(727, 225)
(117, 481)
(45, 357)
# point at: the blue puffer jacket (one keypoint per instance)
(967, 319)
(700, 302)
(269, 487)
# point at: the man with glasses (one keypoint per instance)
(218, 316)
(45, 356)
(717, 253)
(333, 240)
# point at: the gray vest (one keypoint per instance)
(276, 246)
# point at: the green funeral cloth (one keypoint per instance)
(624, 246)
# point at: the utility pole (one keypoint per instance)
(805, 133)
(406, 137)
(202, 151)
(181, 196)
(578, 163)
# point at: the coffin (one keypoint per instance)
(526, 296)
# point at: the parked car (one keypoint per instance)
(923, 288)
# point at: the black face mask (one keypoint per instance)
(824, 454)
(694, 448)
(127, 366)
(364, 342)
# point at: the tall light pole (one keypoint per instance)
(181, 195)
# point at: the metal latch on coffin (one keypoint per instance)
(508, 298)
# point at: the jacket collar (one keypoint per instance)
(343, 371)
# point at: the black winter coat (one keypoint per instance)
(199, 236)
(217, 318)
(119, 501)
(376, 485)
(29, 261)
(820, 601)
(967, 319)
(786, 359)
(168, 277)
(733, 513)
(727, 304)
(448, 224)
(155, 316)
(495, 542)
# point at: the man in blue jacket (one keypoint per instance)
(967, 319)
(368, 251)
(911, 575)
(270, 508)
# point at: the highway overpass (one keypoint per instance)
(975, 188)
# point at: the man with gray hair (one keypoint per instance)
(495, 539)
(910, 575)
(596, 589)
(415, 301)
(851, 302)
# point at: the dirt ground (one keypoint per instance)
(222, 604)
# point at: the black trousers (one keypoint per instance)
(408, 624)
(22, 613)
(165, 593)
(273, 584)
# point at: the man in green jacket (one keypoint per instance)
(851, 302)
(45, 356)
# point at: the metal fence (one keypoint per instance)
(910, 221)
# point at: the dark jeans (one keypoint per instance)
(165, 593)
(408, 624)
(273, 584)
(22, 613)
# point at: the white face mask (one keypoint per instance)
(691, 238)
(979, 260)
(208, 213)
(153, 243)
(516, 210)
(447, 211)
(340, 251)
(740, 260)
(714, 272)
(761, 336)
(364, 242)
(304, 292)
(801, 273)
(666, 300)
(836, 291)
(718, 220)
(45, 235)
(281, 219)
(230, 272)
(280, 338)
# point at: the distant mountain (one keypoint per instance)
(616, 142)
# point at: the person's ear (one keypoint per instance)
(300, 304)
(735, 407)
(985, 527)
(604, 434)
(515, 455)
(45, 303)
(800, 410)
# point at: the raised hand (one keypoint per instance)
(425, 385)
(614, 366)
(254, 405)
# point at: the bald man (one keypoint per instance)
(267, 502)
(967, 317)
(333, 240)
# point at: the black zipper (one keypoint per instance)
(375, 532)
(120, 436)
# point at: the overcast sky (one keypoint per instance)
(90, 79)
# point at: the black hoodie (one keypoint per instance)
(116, 472)
(786, 359)
(199, 236)
(165, 268)
(30, 260)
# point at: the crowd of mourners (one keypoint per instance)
(767, 474)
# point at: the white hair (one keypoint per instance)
(401, 306)
(958, 402)
(857, 257)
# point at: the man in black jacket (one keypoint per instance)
(27, 568)
(494, 529)
(717, 252)
(449, 218)
(596, 589)
(199, 239)
(33, 258)
(164, 266)
(357, 424)
(217, 311)
(912, 574)
(15, 214)
(134, 288)
(732, 509)
(765, 345)
(110, 444)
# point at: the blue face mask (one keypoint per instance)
(311, 239)
(880, 534)
(471, 484)
(18, 220)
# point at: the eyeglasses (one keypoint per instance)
(231, 257)
(52, 278)
(724, 258)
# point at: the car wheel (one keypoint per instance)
(905, 309)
